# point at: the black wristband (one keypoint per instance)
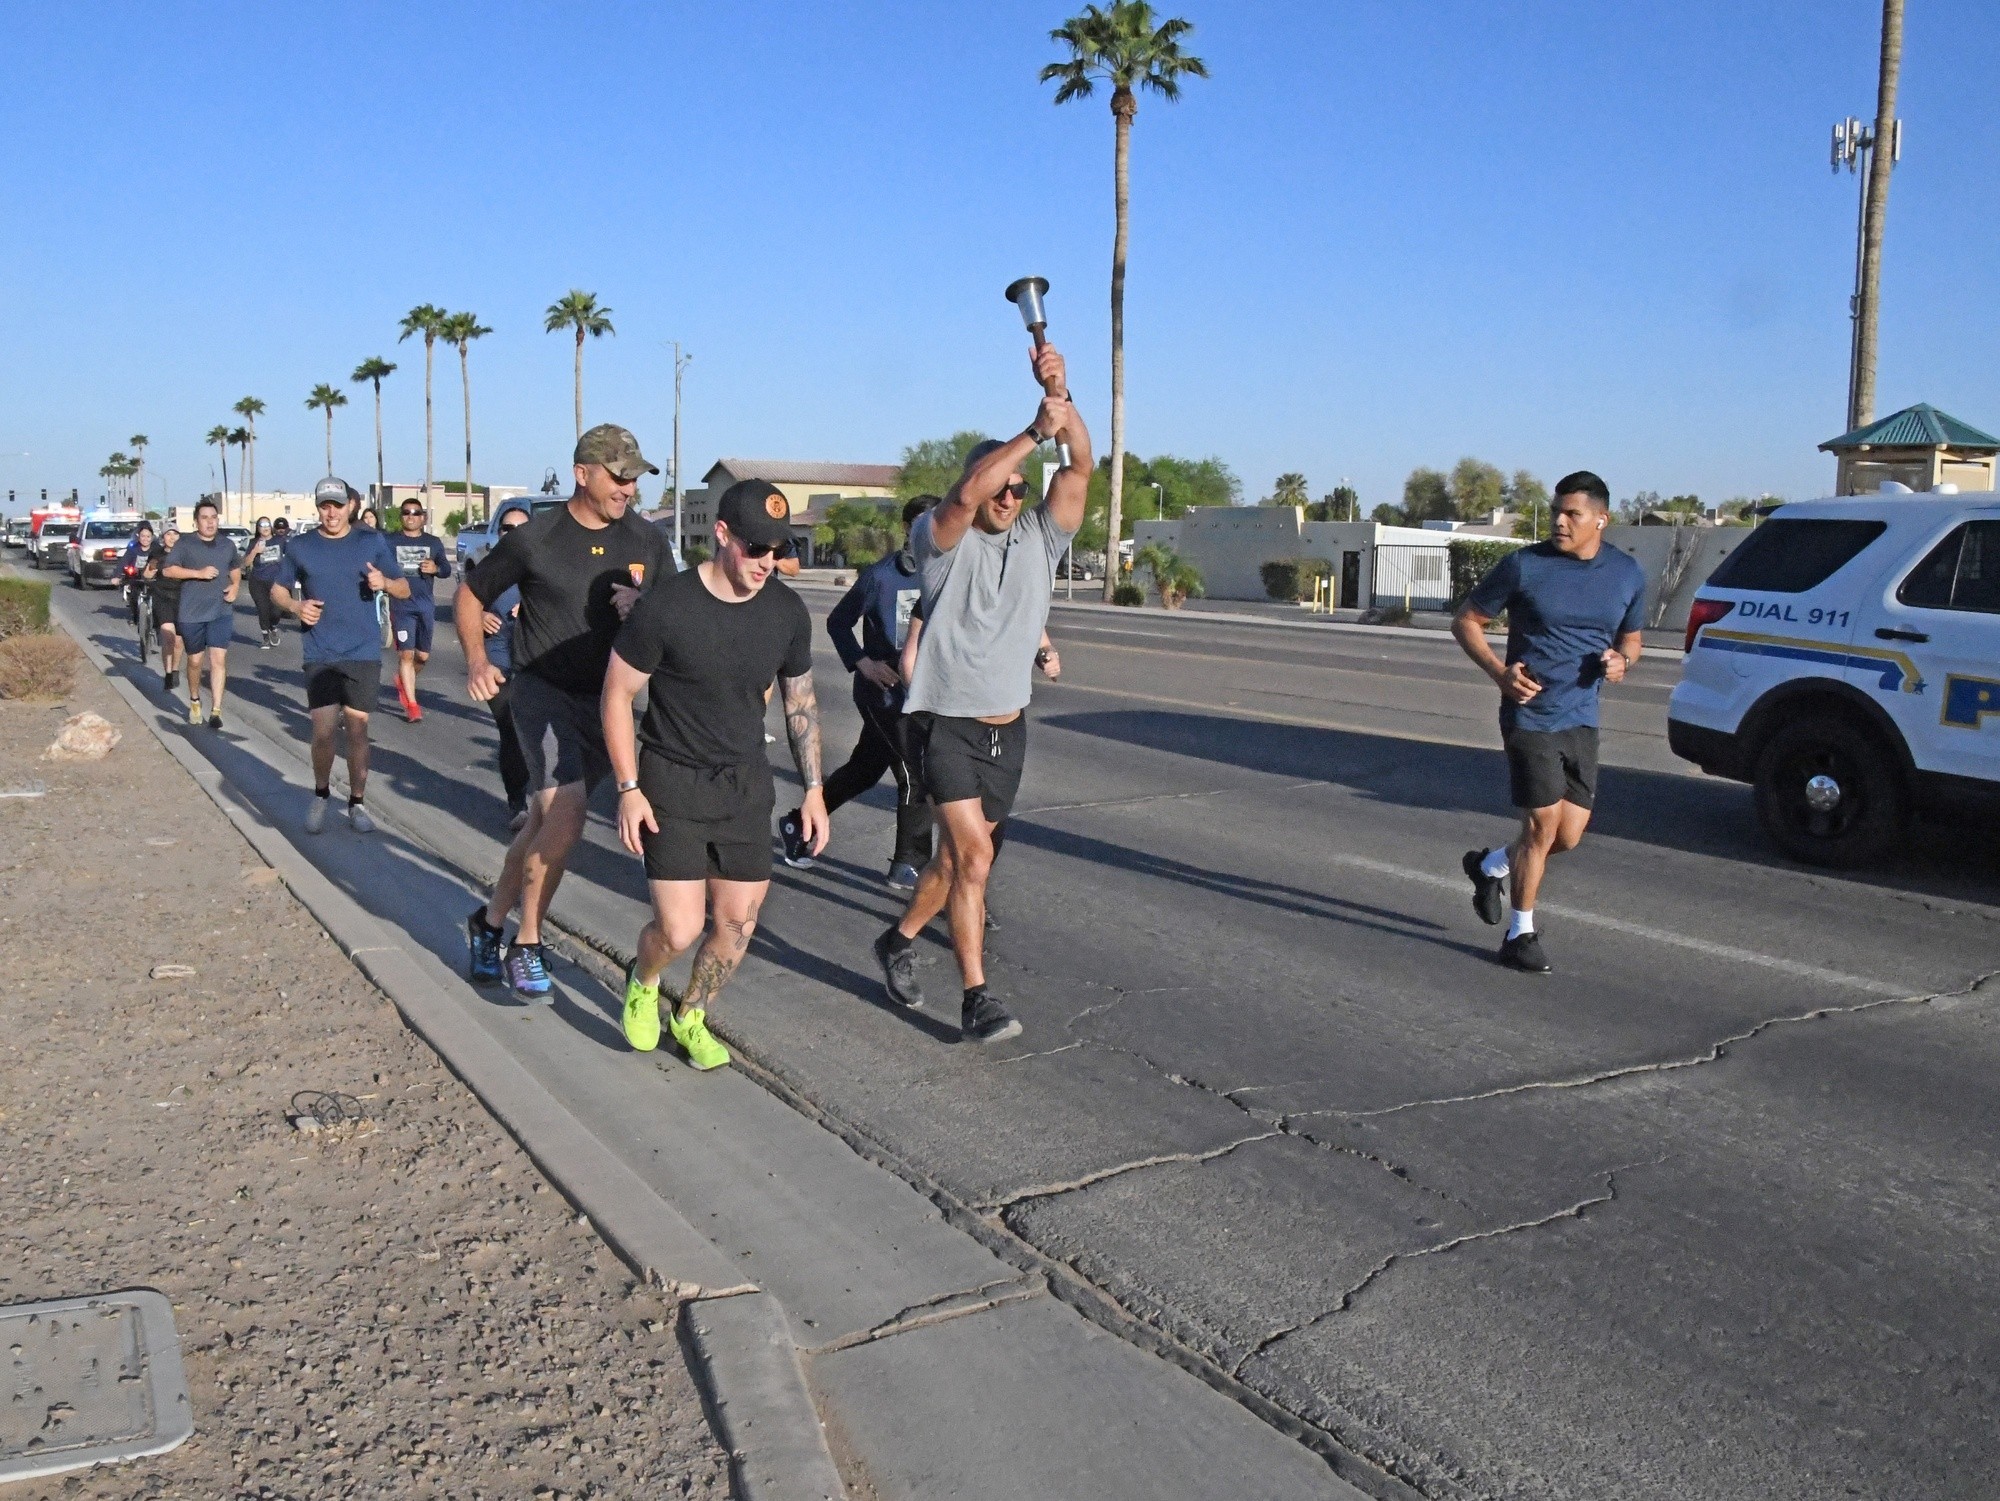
(1031, 432)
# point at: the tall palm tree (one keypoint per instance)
(425, 318)
(1876, 212)
(373, 370)
(240, 436)
(1123, 47)
(139, 442)
(579, 310)
(249, 409)
(326, 398)
(219, 436)
(461, 329)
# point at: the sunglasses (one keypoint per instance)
(766, 549)
(1019, 489)
(418, 514)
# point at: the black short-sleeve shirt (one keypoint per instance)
(710, 662)
(565, 571)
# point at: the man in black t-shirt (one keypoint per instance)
(579, 568)
(696, 802)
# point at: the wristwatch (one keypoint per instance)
(625, 787)
(1039, 436)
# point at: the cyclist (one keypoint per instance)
(129, 566)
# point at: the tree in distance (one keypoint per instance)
(219, 436)
(250, 409)
(1528, 499)
(861, 531)
(1289, 490)
(240, 436)
(1120, 45)
(325, 398)
(1426, 497)
(461, 329)
(1388, 514)
(140, 442)
(373, 371)
(933, 466)
(1478, 489)
(578, 310)
(425, 318)
(1184, 485)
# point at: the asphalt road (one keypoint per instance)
(1707, 1213)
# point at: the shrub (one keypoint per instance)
(1472, 558)
(24, 607)
(454, 522)
(1174, 578)
(695, 553)
(37, 666)
(1395, 614)
(1128, 594)
(1292, 579)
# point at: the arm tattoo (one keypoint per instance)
(802, 725)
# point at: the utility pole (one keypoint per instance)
(681, 362)
(1859, 148)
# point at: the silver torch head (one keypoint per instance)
(1026, 294)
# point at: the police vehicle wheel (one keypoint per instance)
(1828, 794)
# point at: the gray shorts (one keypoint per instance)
(560, 734)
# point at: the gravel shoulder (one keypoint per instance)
(397, 1305)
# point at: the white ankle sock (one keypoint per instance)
(1495, 864)
(1522, 922)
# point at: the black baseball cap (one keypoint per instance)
(756, 511)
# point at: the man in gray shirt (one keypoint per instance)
(210, 573)
(987, 568)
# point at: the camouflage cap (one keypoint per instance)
(616, 449)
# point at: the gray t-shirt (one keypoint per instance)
(984, 606)
(201, 599)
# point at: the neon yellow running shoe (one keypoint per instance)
(194, 711)
(690, 1029)
(642, 1011)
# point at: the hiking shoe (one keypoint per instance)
(690, 1029)
(482, 945)
(527, 971)
(983, 1019)
(642, 1011)
(899, 972)
(798, 851)
(316, 815)
(194, 712)
(1488, 892)
(358, 816)
(1525, 954)
(902, 876)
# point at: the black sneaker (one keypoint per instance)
(899, 972)
(798, 852)
(902, 876)
(984, 1019)
(1488, 892)
(1525, 954)
(171, 680)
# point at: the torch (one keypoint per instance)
(1026, 294)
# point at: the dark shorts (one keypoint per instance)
(965, 758)
(349, 685)
(1546, 767)
(413, 629)
(200, 635)
(715, 821)
(560, 733)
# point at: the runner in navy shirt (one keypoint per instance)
(1574, 606)
(423, 561)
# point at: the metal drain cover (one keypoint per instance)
(90, 1381)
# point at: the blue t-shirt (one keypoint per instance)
(410, 554)
(271, 556)
(334, 571)
(1563, 614)
(500, 645)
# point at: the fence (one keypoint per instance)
(1420, 575)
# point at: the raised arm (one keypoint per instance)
(1071, 486)
(802, 729)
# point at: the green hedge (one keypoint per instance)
(24, 607)
(1128, 594)
(1293, 578)
(1472, 558)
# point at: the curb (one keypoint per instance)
(741, 1349)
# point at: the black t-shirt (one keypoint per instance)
(565, 571)
(710, 662)
(166, 591)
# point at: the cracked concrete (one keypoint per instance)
(941, 1309)
(1103, 1175)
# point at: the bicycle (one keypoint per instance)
(142, 611)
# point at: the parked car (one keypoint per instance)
(475, 542)
(97, 551)
(1845, 661)
(242, 536)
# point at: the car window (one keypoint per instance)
(1788, 556)
(1960, 573)
(114, 529)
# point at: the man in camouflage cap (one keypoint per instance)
(580, 567)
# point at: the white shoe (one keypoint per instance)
(358, 816)
(316, 815)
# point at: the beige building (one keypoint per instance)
(445, 498)
(1919, 447)
(243, 510)
(809, 488)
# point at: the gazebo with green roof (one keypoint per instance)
(1920, 447)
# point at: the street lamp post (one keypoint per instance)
(1860, 149)
(1159, 500)
(681, 362)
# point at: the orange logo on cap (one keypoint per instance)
(775, 507)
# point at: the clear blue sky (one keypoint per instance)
(1383, 235)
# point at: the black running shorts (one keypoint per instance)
(350, 685)
(715, 821)
(560, 734)
(1546, 767)
(967, 758)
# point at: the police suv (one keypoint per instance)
(1845, 661)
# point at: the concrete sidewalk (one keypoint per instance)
(939, 1360)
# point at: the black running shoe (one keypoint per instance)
(1525, 954)
(899, 972)
(171, 680)
(798, 850)
(984, 1019)
(1488, 896)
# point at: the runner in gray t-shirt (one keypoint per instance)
(987, 569)
(209, 572)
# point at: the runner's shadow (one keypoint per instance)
(778, 951)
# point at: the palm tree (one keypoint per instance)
(326, 398)
(1875, 212)
(579, 310)
(1123, 47)
(425, 318)
(249, 409)
(139, 442)
(219, 436)
(240, 436)
(461, 329)
(373, 370)
(1290, 490)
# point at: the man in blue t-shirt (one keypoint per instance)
(329, 580)
(423, 561)
(1574, 607)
